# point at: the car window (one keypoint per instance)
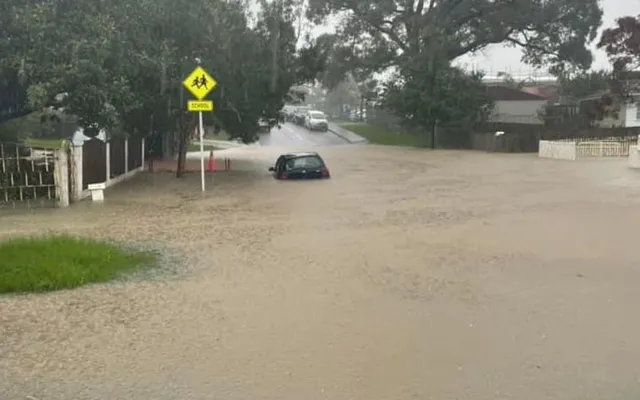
(317, 115)
(304, 162)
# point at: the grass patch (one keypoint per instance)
(56, 262)
(379, 135)
(44, 143)
(196, 147)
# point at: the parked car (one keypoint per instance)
(316, 120)
(287, 113)
(308, 165)
(299, 115)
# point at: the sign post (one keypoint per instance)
(199, 83)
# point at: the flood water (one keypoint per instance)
(411, 274)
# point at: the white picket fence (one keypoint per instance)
(572, 149)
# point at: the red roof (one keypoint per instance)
(549, 92)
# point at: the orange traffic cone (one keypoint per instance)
(212, 163)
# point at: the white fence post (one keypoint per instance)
(61, 177)
(126, 156)
(143, 140)
(108, 161)
(76, 171)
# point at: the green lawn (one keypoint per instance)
(55, 262)
(379, 135)
(45, 143)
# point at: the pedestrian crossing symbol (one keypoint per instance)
(199, 83)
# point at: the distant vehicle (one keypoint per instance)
(300, 166)
(287, 113)
(316, 120)
(288, 116)
(299, 115)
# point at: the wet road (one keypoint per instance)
(450, 275)
(291, 135)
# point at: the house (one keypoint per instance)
(608, 111)
(516, 106)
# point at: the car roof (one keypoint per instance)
(301, 154)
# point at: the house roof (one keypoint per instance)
(509, 94)
(548, 92)
(595, 95)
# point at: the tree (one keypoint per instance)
(584, 83)
(421, 39)
(119, 64)
(382, 33)
(452, 97)
(622, 45)
(345, 93)
(509, 81)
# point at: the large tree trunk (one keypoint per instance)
(275, 40)
(185, 128)
(182, 156)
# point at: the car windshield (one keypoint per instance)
(317, 115)
(305, 162)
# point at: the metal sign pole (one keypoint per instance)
(200, 83)
(201, 129)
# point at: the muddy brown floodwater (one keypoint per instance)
(410, 275)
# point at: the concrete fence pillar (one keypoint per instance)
(108, 161)
(77, 177)
(61, 177)
(126, 156)
(143, 140)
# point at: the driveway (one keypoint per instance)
(409, 275)
(292, 135)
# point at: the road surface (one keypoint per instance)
(291, 135)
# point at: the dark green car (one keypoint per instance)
(308, 165)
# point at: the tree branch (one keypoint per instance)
(529, 45)
(479, 43)
(378, 25)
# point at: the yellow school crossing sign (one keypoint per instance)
(199, 83)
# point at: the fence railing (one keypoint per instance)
(610, 147)
(31, 175)
(26, 174)
(105, 162)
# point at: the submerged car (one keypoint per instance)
(308, 165)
